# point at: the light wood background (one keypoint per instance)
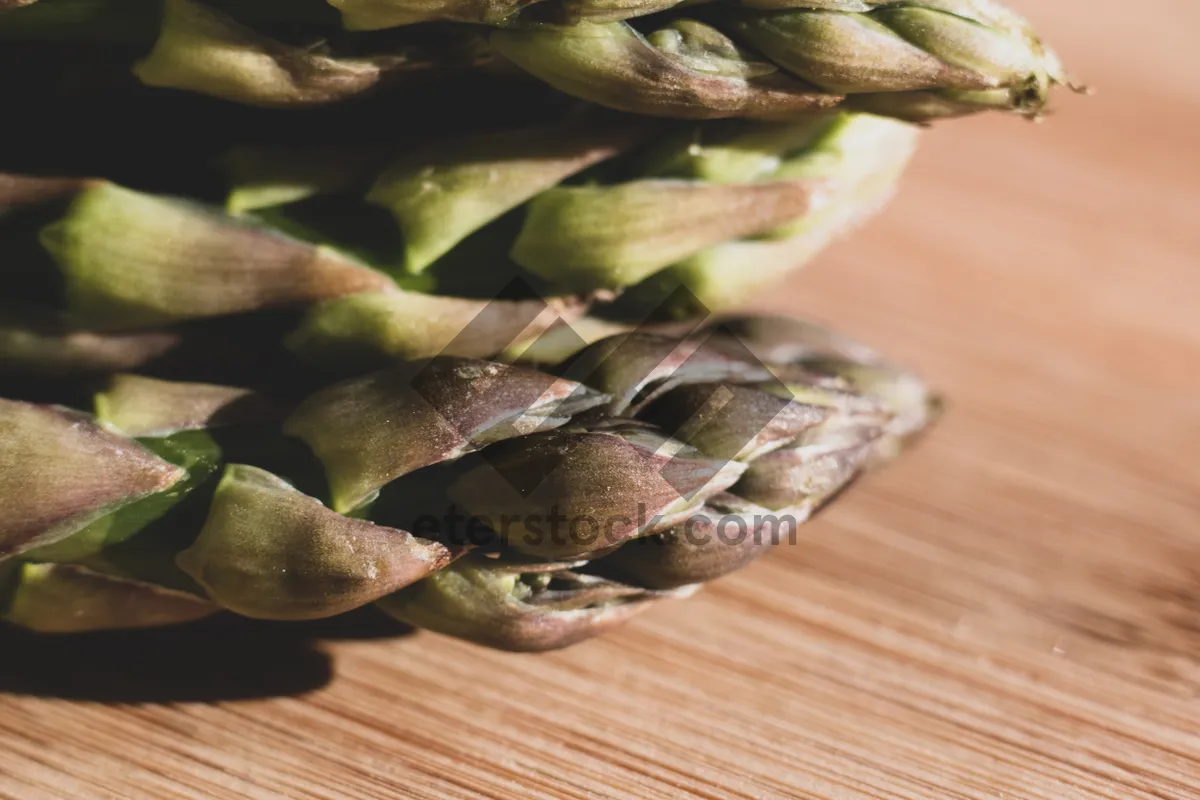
(1014, 612)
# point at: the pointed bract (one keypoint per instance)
(574, 492)
(270, 551)
(369, 431)
(535, 607)
(369, 330)
(67, 598)
(589, 238)
(134, 260)
(48, 345)
(140, 407)
(442, 194)
(721, 538)
(59, 471)
(203, 50)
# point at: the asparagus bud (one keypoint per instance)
(573, 492)
(721, 538)
(522, 607)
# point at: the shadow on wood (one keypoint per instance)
(218, 659)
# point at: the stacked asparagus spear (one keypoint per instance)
(423, 304)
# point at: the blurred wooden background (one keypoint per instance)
(1013, 612)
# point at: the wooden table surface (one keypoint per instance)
(1013, 612)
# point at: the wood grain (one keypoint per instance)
(1013, 612)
